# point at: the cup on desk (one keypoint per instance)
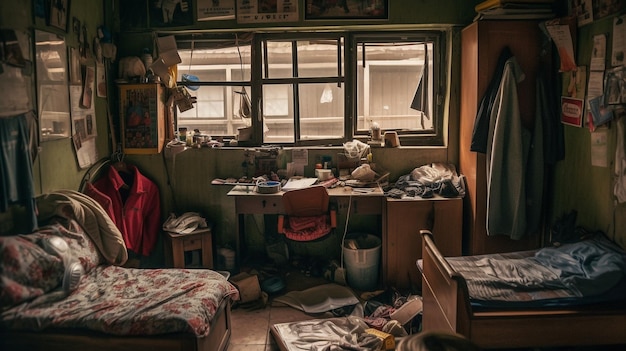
(323, 174)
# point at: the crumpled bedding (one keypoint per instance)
(587, 271)
(109, 298)
(129, 301)
(347, 333)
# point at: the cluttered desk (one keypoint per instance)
(248, 200)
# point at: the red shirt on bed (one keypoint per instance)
(136, 207)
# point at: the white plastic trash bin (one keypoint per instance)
(362, 262)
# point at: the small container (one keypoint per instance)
(269, 187)
(182, 134)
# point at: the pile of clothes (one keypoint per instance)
(428, 180)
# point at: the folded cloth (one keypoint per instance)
(95, 221)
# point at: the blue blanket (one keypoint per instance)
(587, 271)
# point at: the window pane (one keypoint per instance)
(278, 59)
(387, 86)
(318, 58)
(321, 111)
(216, 111)
(211, 64)
(278, 113)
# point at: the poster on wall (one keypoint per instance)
(211, 10)
(84, 129)
(267, 11)
(572, 111)
(346, 9)
(171, 13)
(619, 41)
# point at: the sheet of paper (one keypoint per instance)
(598, 53)
(599, 148)
(301, 183)
(209, 10)
(562, 38)
(619, 41)
(595, 85)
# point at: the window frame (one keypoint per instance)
(407, 137)
(351, 38)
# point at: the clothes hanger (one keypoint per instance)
(122, 168)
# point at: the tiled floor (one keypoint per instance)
(251, 328)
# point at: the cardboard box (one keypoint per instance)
(248, 286)
(389, 342)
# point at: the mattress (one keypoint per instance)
(585, 272)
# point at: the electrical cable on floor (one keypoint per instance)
(345, 230)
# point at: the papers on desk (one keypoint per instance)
(299, 183)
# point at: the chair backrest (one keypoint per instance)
(310, 201)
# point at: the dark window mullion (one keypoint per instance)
(296, 93)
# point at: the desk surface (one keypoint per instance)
(333, 192)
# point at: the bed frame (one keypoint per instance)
(447, 308)
(75, 340)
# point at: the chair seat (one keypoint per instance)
(307, 228)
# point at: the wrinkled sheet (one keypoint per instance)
(345, 333)
(588, 271)
(128, 301)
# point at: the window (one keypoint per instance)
(310, 88)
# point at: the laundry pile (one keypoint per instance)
(428, 180)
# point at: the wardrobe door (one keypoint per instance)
(481, 45)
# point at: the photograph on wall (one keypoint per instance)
(75, 73)
(101, 81)
(138, 105)
(600, 112)
(58, 13)
(582, 9)
(90, 76)
(267, 11)
(615, 86)
(604, 8)
(619, 41)
(211, 10)
(346, 9)
(171, 13)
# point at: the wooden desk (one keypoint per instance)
(248, 201)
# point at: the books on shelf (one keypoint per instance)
(487, 4)
(512, 10)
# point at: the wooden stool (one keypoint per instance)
(177, 244)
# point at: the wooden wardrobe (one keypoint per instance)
(482, 43)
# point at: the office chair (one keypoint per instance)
(308, 215)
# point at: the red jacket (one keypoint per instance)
(136, 207)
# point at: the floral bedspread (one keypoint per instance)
(109, 299)
(129, 301)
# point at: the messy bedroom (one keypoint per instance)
(282, 175)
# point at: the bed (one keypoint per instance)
(111, 307)
(460, 295)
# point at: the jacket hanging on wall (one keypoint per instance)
(16, 167)
(514, 157)
(481, 124)
(135, 202)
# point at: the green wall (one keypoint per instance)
(577, 184)
(185, 183)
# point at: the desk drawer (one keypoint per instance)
(194, 243)
(260, 204)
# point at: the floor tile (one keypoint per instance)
(250, 327)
